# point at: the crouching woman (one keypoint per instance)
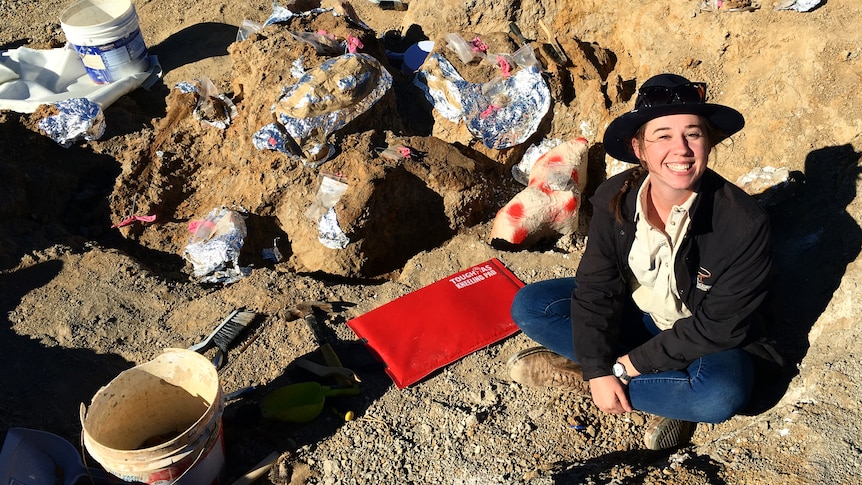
(663, 307)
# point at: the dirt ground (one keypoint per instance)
(82, 301)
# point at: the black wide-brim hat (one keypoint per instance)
(617, 140)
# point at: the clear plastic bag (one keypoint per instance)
(332, 187)
(213, 108)
(324, 45)
(247, 28)
(322, 210)
(462, 48)
(526, 57)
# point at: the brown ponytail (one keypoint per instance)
(617, 200)
(634, 177)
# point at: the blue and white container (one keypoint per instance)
(107, 37)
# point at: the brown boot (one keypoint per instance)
(662, 433)
(539, 367)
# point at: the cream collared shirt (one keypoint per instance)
(651, 260)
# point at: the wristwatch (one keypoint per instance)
(620, 373)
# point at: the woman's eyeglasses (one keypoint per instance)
(688, 93)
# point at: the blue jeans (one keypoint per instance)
(711, 389)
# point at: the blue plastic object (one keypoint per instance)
(32, 457)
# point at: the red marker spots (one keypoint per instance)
(519, 236)
(516, 211)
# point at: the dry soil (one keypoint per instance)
(82, 301)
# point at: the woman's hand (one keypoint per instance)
(609, 394)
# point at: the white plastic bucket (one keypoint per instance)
(160, 422)
(107, 38)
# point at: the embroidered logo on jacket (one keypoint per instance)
(702, 275)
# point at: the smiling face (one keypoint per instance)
(675, 150)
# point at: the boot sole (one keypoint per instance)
(670, 433)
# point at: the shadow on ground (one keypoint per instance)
(43, 386)
(52, 200)
(815, 238)
(634, 465)
(194, 43)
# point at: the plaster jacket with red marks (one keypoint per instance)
(550, 202)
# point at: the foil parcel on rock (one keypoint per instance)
(503, 112)
(76, 119)
(215, 245)
(325, 99)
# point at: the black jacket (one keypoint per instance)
(722, 271)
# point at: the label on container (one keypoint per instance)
(107, 63)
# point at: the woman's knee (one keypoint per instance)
(723, 384)
(536, 302)
(522, 304)
(721, 402)
(723, 409)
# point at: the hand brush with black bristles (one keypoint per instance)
(224, 335)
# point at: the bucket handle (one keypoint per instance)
(83, 413)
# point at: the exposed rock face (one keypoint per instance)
(393, 208)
